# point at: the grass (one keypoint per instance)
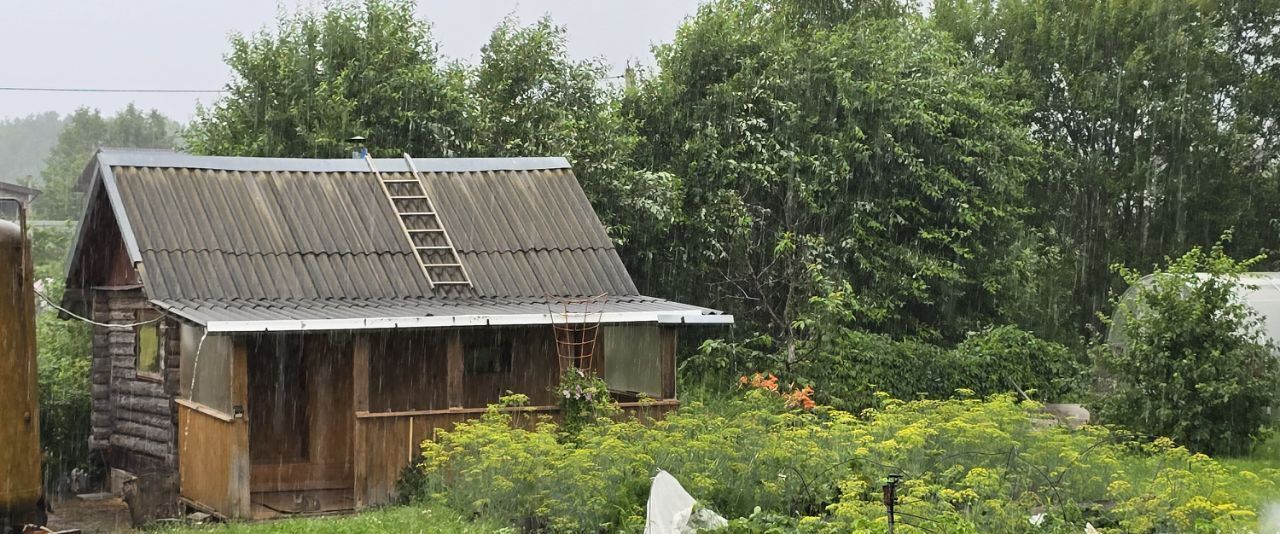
(422, 518)
(1263, 461)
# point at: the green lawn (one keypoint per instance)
(409, 519)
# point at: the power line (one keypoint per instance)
(55, 306)
(104, 90)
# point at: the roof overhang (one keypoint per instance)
(453, 321)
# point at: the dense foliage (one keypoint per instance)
(843, 144)
(848, 367)
(1157, 126)
(84, 132)
(1189, 359)
(24, 142)
(63, 361)
(969, 466)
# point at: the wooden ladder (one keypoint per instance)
(432, 247)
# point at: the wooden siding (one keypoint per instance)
(212, 449)
(300, 412)
(391, 440)
(133, 417)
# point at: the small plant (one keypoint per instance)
(583, 398)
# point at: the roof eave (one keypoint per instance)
(694, 317)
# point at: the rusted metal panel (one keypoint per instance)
(19, 402)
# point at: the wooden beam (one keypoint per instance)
(667, 360)
(454, 369)
(359, 403)
(360, 373)
(240, 468)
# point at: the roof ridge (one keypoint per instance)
(181, 160)
(538, 249)
(279, 254)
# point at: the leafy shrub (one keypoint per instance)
(969, 465)
(1005, 358)
(847, 367)
(1190, 360)
(63, 361)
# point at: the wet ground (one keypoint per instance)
(91, 516)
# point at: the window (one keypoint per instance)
(489, 357)
(631, 358)
(147, 342)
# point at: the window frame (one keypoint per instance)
(158, 374)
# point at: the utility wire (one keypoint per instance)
(50, 302)
(105, 90)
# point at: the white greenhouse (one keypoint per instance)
(1260, 291)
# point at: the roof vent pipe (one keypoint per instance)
(358, 150)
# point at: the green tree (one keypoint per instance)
(1189, 360)
(354, 68)
(532, 99)
(87, 130)
(832, 141)
(24, 142)
(1158, 121)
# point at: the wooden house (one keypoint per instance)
(286, 331)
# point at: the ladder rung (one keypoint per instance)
(408, 197)
(434, 247)
(429, 230)
(399, 181)
(416, 213)
(451, 282)
(441, 265)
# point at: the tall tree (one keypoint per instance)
(532, 99)
(1158, 116)
(355, 68)
(841, 142)
(87, 130)
(24, 143)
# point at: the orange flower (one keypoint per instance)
(801, 398)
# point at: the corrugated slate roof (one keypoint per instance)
(308, 238)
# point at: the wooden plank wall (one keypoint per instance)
(132, 417)
(209, 448)
(301, 412)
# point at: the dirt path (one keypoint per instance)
(91, 517)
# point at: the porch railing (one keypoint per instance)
(386, 442)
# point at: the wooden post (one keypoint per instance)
(239, 494)
(359, 403)
(453, 368)
(667, 360)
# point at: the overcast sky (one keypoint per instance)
(163, 44)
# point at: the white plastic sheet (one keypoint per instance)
(671, 509)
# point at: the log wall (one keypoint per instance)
(133, 417)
